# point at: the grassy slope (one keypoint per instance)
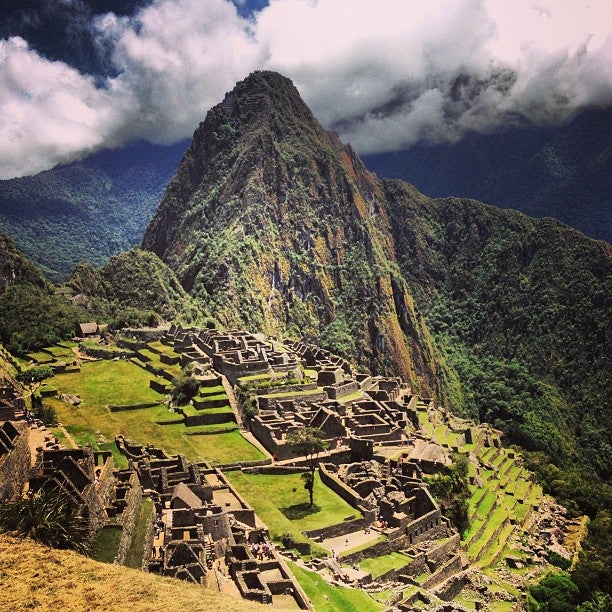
(36, 577)
(119, 382)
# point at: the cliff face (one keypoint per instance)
(521, 309)
(273, 224)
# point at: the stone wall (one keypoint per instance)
(129, 517)
(450, 568)
(15, 464)
(376, 550)
(148, 541)
(121, 408)
(314, 398)
(437, 554)
(212, 418)
(349, 495)
(451, 587)
(340, 529)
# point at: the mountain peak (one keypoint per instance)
(275, 225)
(264, 92)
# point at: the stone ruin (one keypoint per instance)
(205, 533)
(15, 458)
(232, 353)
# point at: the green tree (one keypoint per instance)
(184, 388)
(555, 593)
(33, 377)
(308, 442)
(453, 492)
(48, 518)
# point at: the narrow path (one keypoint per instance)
(67, 435)
(233, 402)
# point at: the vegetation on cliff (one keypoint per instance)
(273, 224)
(520, 310)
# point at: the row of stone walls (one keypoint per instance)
(424, 527)
(128, 518)
(450, 568)
(314, 398)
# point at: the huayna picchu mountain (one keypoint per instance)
(273, 224)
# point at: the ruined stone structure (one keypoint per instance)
(14, 458)
(204, 532)
(83, 476)
(233, 353)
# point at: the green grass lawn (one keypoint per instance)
(121, 382)
(136, 551)
(287, 493)
(379, 565)
(163, 348)
(328, 598)
(41, 357)
(208, 391)
(106, 544)
(266, 510)
(100, 383)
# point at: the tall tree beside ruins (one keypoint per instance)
(308, 442)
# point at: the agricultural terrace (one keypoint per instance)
(101, 384)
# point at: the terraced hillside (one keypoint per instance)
(127, 390)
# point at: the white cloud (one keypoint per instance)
(49, 112)
(384, 73)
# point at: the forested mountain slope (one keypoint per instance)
(273, 224)
(521, 309)
(89, 210)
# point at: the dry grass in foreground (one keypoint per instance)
(34, 577)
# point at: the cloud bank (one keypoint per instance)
(383, 73)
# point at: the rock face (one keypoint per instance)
(274, 224)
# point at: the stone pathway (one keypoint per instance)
(229, 391)
(351, 540)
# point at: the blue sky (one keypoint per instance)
(80, 75)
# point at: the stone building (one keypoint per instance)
(15, 460)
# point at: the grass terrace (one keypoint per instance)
(328, 598)
(100, 383)
(123, 383)
(380, 565)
